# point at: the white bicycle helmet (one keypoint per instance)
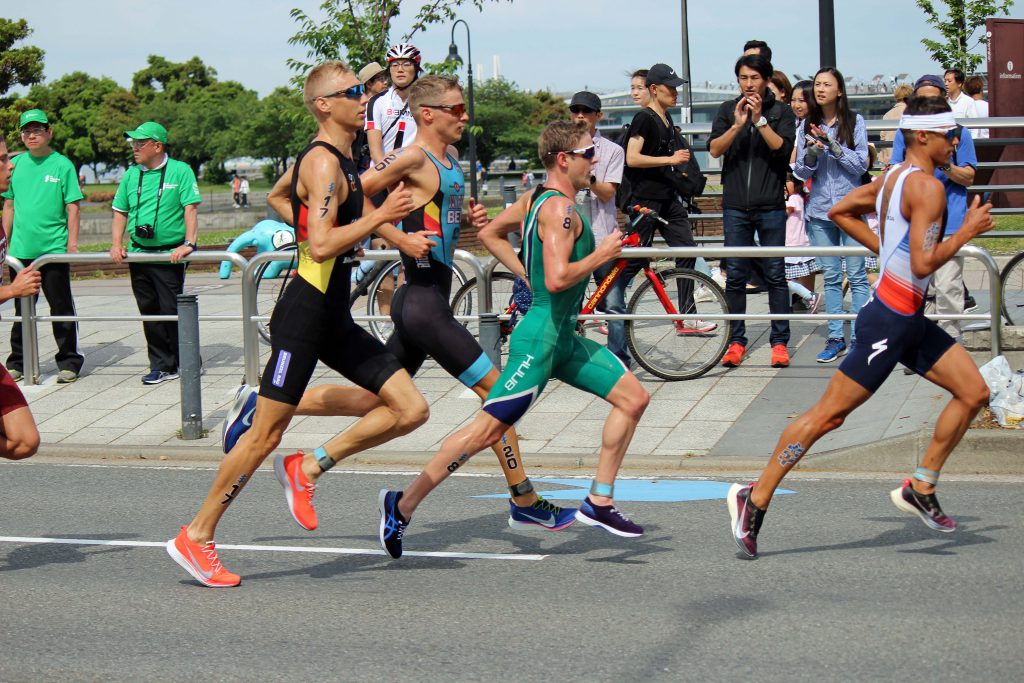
(404, 51)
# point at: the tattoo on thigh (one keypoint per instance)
(456, 464)
(790, 454)
(931, 236)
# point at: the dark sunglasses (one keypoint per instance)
(587, 153)
(456, 110)
(580, 109)
(353, 93)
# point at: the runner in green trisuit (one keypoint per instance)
(558, 257)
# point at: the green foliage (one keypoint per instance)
(23, 65)
(278, 128)
(215, 173)
(510, 120)
(962, 20)
(358, 31)
(175, 81)
(18, 66)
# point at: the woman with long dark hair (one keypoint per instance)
(834, 159)
(803, 92)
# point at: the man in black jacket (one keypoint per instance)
(755, 134)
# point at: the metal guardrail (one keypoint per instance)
(30, 319)
(995, 291)
(489, 337)
(250, 315)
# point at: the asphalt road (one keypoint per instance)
(847, 587)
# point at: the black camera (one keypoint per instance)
(145, 232)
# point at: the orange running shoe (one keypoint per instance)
(734, 356)
(298, 490)
(780, 356)
(201, 561)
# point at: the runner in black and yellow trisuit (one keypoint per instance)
(312, 321)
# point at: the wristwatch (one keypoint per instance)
(944, 169)
(761, 122)
(192, 245)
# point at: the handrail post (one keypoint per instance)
(190, 364)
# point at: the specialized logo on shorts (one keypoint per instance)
(878, 346)
(281, 369)
(511, 382)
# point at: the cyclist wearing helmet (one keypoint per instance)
(389, 123)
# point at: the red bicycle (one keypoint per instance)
(679, 349)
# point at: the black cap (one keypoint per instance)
(932, 80)
(663, 74)
(586, 99)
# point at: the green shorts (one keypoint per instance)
(538, 352)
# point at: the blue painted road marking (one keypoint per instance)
(638, 490)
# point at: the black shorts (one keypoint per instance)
(425, 325)
(308, 326)
(885, 338)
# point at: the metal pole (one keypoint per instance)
(685, 70)
(189, 364)
(827, 32)
(472, 117)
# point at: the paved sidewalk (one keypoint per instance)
(730, 414)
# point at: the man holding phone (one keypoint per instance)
(754, 133)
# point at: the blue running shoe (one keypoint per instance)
(392, 525)
(239, 418)
(833, 349)
(542, 514)
(607, 517)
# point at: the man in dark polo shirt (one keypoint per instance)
(158, 201)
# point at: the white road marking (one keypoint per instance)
(277, 548)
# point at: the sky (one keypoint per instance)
(558, 45)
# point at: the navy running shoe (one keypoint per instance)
(746, 518)
(833, 349)
(392, 525)
(924, 505)
(239, 418)
(542, 513)
(608, 517)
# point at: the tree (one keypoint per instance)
(23, 65)
(278, 128)
(362, 28)
(18, 66)
(174, 80)
(75, 105)
(510, 120)
(963, 18)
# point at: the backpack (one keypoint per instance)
(624, 192)
(687, 179)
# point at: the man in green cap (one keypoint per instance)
(41, 217)
(158, 201)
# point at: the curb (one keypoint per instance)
(981, 451)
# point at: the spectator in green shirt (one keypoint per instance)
(19, 437)
(158, 202)
(41, 217)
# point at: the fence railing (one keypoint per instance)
(250, 318)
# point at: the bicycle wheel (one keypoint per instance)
(270, 289)
(1012, 279)
(379, 296)
(466, 302)
(674, 351)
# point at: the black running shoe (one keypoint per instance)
(746, 518)
(609, 518)
(392, 525)
(924, 505)
(970, 304)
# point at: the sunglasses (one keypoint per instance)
(353, 93)
(456, 110)
(587, 153)
(139, 144)
(580, 109)
(33, 130)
